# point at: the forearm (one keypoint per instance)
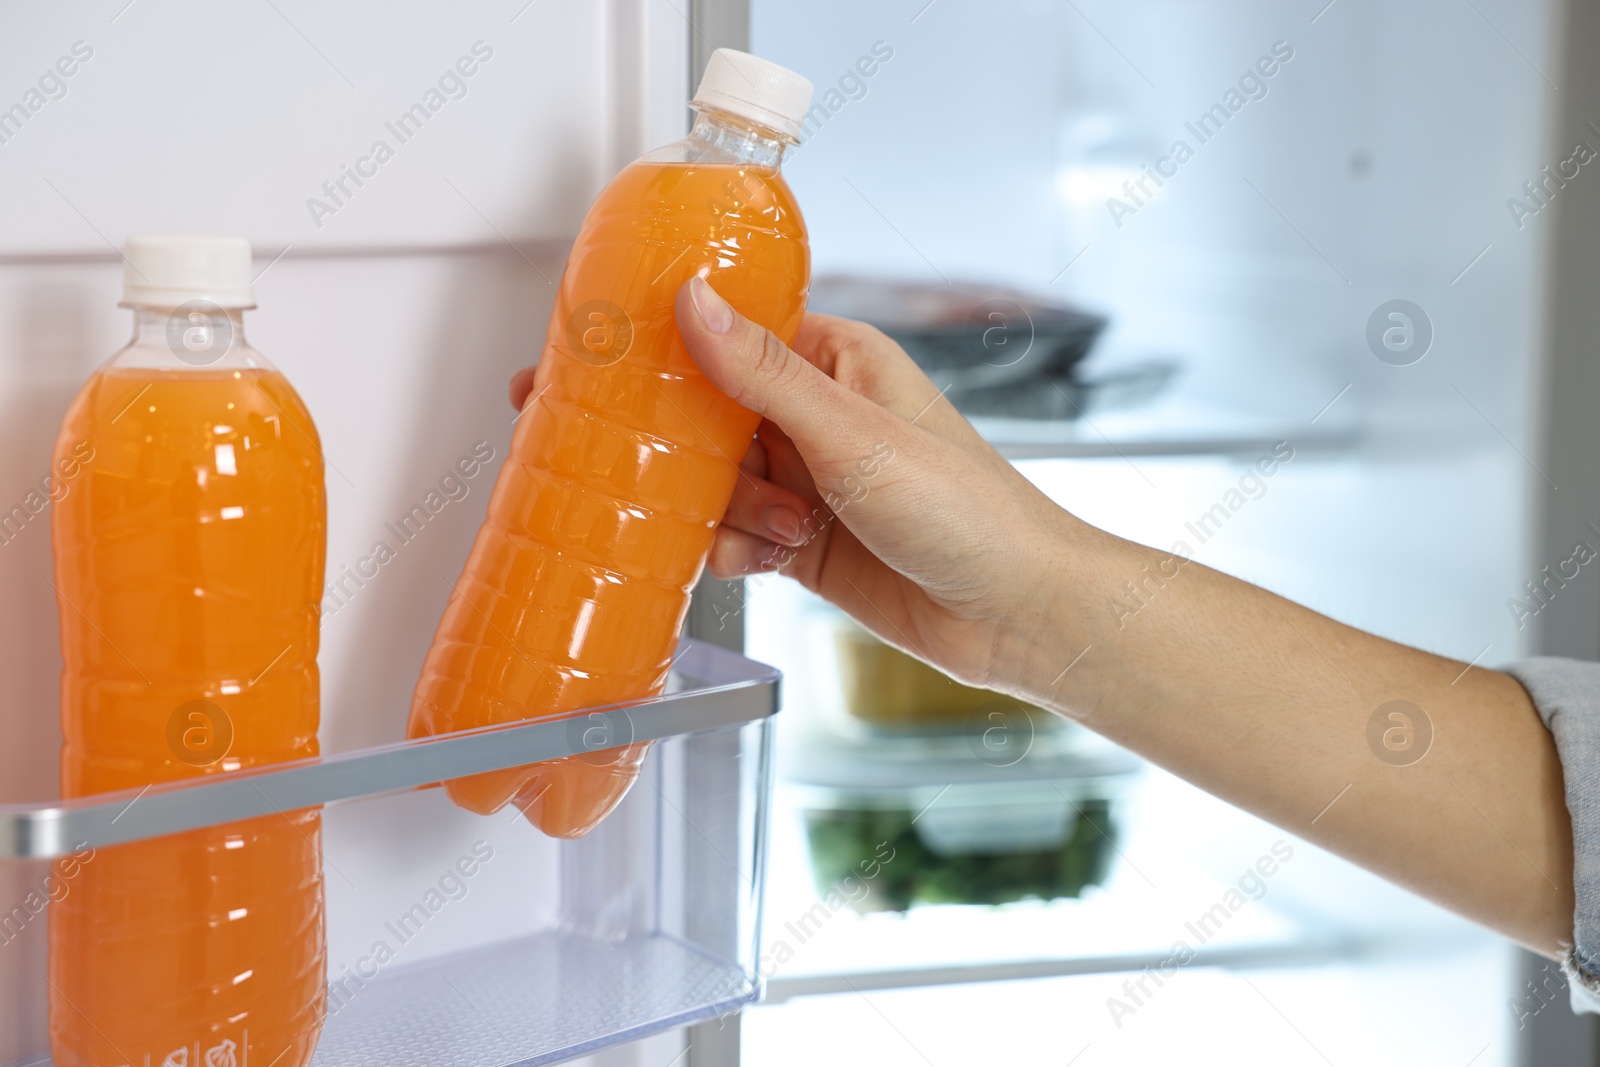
(1267, 704)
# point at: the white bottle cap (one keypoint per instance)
(172, 269)
(755, 89)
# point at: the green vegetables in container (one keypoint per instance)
(842, 838)
(952, 795)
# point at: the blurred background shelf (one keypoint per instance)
(1165, 430)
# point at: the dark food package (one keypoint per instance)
(1000, 351)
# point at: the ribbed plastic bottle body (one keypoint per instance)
(621, 464)
(189, 553)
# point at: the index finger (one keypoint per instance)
(869, 362)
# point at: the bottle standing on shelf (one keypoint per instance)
(625, 456)
(188, 569)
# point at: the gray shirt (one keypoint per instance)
(1567, 694)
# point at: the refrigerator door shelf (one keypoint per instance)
(459, 940)
(709, 688)
(537, 1000)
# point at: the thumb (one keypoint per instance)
(752, 366)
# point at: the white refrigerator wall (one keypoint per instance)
(399, 309)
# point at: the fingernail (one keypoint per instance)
(783, 523)
(714, 311)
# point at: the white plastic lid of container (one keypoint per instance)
(172, 269)
(755, 89)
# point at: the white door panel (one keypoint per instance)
(353, 125)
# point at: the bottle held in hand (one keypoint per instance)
(625, 456)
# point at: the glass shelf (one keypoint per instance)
(548, 950)
(1017, 444)
(1175, 426)
(1169, 883)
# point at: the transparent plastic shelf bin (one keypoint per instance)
(546, 951)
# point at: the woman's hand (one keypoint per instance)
(867, 486)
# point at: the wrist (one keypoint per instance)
(1057, 614)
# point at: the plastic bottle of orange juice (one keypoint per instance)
(188, 568)
(624, 456)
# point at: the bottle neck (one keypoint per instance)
(151, 324)
(723, 134)
(195, 336)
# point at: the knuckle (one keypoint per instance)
(838, 330)
(772, 357)
(770, 367)
(865, 359)
(850, 341)
(867, 335)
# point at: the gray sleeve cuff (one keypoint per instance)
(1566, 693)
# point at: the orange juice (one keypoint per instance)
(188, 568)
(622, 463)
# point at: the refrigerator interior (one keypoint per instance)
(1376, 162)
